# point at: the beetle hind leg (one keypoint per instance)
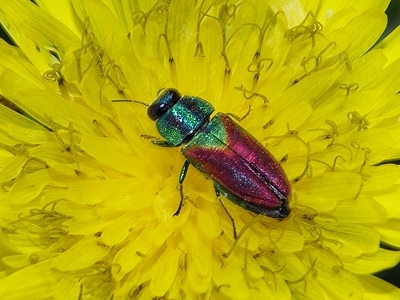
(218, 193)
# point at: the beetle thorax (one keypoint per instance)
(182, 120)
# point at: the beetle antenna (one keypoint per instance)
(129, 100)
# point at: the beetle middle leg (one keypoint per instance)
(182, 176)
(218, 193)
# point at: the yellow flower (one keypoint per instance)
(87, 200)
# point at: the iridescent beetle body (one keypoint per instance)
(241, 168)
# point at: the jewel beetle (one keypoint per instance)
(240, 167)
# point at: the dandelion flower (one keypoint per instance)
(87, 200)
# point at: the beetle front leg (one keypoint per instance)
(182, 176)
(218, 193)
(162, 143)
(156, 141)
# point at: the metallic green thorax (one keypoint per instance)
(212, 136)
(183, 119)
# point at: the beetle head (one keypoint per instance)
(167, 99)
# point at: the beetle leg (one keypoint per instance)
(162, 143)
(182, 176)
(218, 193)
(156, 141)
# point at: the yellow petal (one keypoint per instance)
(26, 284)
(376, 288)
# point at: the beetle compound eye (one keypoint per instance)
(163, 103)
